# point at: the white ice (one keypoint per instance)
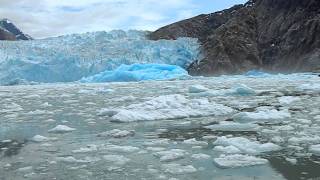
(238, 160)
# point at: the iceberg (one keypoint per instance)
(174, 106)
(256, 73)
(138, 72)
(238, 160)
(246, 146)
(70, 58)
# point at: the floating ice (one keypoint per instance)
(138, 72)
(116, 133)
(233, 126)
(170, 107)
(116, 159)
(238, 160)
(197, 89)
(195, 142)
(227, 149)
(61, 129)
(72, 57)
(121, 149)
(178, 168)
(89, 148)
(39, 138)
(315, 149)
(200, 156)
(246, 146)
(71, 159)
(304, 140)
(269, 116)
(287, 100)
(256, 73)
(171, 155)
(25, 169)
(242, 90)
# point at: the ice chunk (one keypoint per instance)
(39, 138)
(315, 149)
(238, 160)
(292, 161)
(247, 146)
(170, 107)
(179, 169)
(233, 126)
(227, 149)
(195, 142)
(89, 148)
(200, 156)
(270, 116)
(71, 159)
(138, 72)
(171, 155)
(287, 100)
(155, 148)
(242, 90)
(116, 133)
(61, 129)
(116, 159)
(121, 149)
(256, 73)
(25, 169)
(304, 140)
(197, 89)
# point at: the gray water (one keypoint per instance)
(26, 111)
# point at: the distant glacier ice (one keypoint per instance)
(72, 57)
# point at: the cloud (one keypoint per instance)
(57, 17)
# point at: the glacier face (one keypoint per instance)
(72, 57)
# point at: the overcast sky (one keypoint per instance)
(45, 18)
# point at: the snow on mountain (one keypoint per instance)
(72, 57)
(7, 25)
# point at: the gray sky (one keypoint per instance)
(45, 18)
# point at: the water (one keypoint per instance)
(26, 111)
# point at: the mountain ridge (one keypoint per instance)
(270, 35)
(8, 31)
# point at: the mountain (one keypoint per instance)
(271, 35)
(8, 31)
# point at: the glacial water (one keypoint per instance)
(180, 146)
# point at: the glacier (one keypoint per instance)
(138, 72)
(70, 58)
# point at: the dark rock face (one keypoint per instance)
(273, 35)
(5, 35)
(8, 31)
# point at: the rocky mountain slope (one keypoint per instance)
(273, 35)
(8, 31)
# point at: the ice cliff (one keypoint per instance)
(73, 57)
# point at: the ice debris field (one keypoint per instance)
(253, 126)
(96, 57)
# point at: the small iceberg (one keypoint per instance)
(138, 72)
(257, 73)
